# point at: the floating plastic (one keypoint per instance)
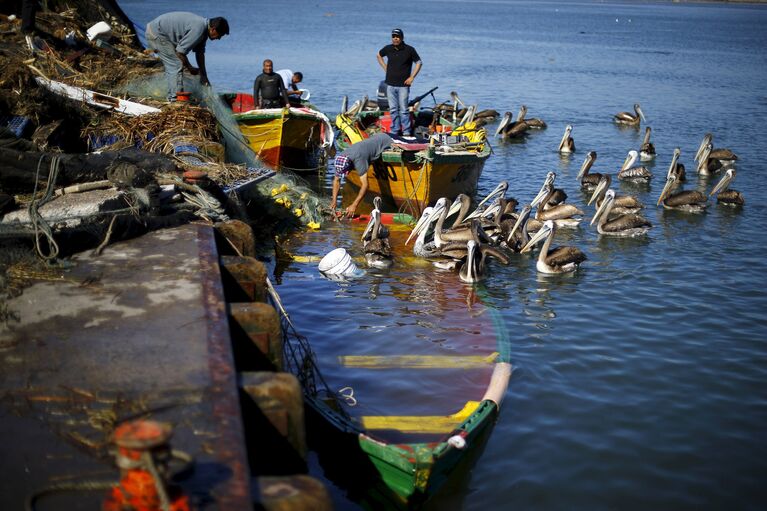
(338, 264)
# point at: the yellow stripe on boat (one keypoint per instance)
(418, 361)
(420, 424)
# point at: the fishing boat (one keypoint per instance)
(296, 138)
(444, 160)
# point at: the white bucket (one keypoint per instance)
(100, 30)
(338, 263)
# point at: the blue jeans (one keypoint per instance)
(400, 117)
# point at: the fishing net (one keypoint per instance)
(286, 192)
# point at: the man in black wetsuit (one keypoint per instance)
(268, 89)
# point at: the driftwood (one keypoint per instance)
(18, 169)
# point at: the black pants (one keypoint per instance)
(28, 9)
(270, 103)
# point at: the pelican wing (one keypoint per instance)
(685, 198)
(625, 223)
(733, 197)
(561, 256)
(635, 173)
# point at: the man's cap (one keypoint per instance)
(397, 32)
(342, 165)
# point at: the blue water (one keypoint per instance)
(639, 382)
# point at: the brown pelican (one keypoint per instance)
(498, 191)
(567, 144)
(520, 232)
(460, 206)
(558, 196)
(534, 123)
(629, 119)
(647, 151)
(510, 129)
(565, 215)
(718, 153)
(557, 260)
(377, 251)
(623, 225)
(727, 196)
(629, 173)
(460, 233)
(423, 247)
(589, 181)
(473, 269)
(691, 201)
(677, 168)
(622, 204)
(708, 165)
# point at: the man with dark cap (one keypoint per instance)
(173, 35)
(400, 58)
(358, 157)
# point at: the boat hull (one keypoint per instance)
(409, 182)
(288, 138)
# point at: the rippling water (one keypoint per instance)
(639, 382)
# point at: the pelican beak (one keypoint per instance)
(666, 188)
(542, 193)
(538, 236)
(499, 191)
(568, 129)
(369, 227)
(674, 159)
(707, 138)
(597, 191)
(504, 122)
(600, 211)
(524, 215)
(471, 255)
(584, 166)
(641, 113)
(724, 182)
(456, 99)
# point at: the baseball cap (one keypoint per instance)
(342, 165)
(397, 32)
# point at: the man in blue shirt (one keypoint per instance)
(173, 35)
(400, 58)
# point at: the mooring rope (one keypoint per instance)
(39, 225)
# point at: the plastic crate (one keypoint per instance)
(16, 124)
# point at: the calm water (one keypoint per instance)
(639, 382)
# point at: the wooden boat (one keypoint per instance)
(412, 175)
(294, 138)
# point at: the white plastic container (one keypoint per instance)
(339, 264)
(100, 30)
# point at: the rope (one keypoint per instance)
(39, 225)
(408, 199)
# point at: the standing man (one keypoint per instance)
(268, 89)
(400, 58)
(173, 35)
(291, 80)
(358, 157)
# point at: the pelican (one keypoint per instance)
(461, 206)
(422, 247)
(473, 269)
(558, 196)
(498, 191)
(727, 196)
(691, 201)
(456, 101)
(629, 173)
(676, 168)
(623, 225)
(511, 129)
(629, 119)
(647, 151)
(461, 233)
(565, 215)
(718, 154)
(377, 251)
(567, 144)
(589, 181)
(534, 123)
(519, 234)
(708, 165)
(559, 259)
(622, 204)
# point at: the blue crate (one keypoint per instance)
(98, 141)
(15, 123)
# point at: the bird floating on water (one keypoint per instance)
(378, 253)
(557, 260)
(690, 201)
(588, 181)
(567, 144)
(722, 154)
(629, 119)
(622, 204)
(727, 196)
(647, 150)
(628, 172)
(629, 224)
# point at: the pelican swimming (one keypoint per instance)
(727, 196)
(558, 195)
(588, 181)
(510, 129)
(622, 204)
(629, 119)
(498, 191)
(532, 123)
(722, 154)
(473, 269)
(520, 232)
(623, 225)
(676, 168)
(557, 260)
(708, 165)
(691, 201)
(647, 151)
(378, 252)
(629, 173)
(422, 247)
(567, 144)
(565, 215)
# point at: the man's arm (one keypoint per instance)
(416, 70)
(336, 188)
(381, 61)
(284, 93)
(200, 57)
(186, 64)
(363, 190)
(256, 88)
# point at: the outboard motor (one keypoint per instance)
(382, 98)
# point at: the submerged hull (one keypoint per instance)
(288, 138)
(411, 181)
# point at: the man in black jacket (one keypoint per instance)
(400, 58)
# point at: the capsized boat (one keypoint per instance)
(297, 138)
(416, 171)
